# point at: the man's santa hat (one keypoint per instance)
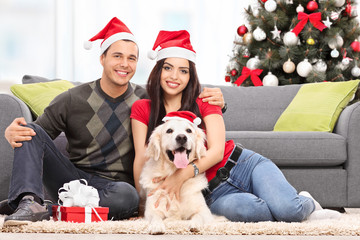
(114, 31)
(173, 44)
(183, 115)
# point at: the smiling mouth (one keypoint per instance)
(171, 154)
(122, 73)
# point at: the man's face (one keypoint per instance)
(119, 63)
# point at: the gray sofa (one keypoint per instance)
(325, 164)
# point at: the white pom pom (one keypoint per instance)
(152, 54)
(197, 121)
(87, 45)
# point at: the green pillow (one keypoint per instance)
(37, 96)
(317, 106)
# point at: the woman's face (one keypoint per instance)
(175, 76)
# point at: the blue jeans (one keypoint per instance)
(258, 191)
(39, 163)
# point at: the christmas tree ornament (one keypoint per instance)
(310, 41)
(259, 34)
(312, 6)
(276, 33)
(255, 12)
(334, 15)
(289, 2)
(300, 8)
(304, 68)
(355, 46)
(264, 1)
(320, 66)
(314, 18)
(227, 78)
(234, 72)
(339, 3)
(355, 71)
(242, 30)
(270, 80)
(247, 38)
(348, 9)
(253, 74)
(327, 23)
(270, 5)
(289, 66)
(345, 61)
(336, 42)
(253, 63)
(334, 53)
(290, 39)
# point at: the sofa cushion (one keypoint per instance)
(37, 96)
(37, 79)
(305, 149)
(317, 106)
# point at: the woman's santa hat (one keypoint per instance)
(173, 44)
(114, 31)
(183, 115)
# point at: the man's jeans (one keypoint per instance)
(39, 161)
(258, 191)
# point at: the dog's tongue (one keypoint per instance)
(180, 159)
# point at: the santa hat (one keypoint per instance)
(173, 44)
(114, 31)
(183, 115)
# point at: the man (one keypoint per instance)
(95, 119)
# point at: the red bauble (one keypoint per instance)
(312, 6)
(264, 1)
(233, 72)
(355, 46)
(242, 30)
(227, 78)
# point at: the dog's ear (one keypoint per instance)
(200, 143)
(153, 149)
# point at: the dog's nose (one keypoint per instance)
(181, 138)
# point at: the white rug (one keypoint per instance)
(347, 225)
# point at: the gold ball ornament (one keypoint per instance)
(310, 41)
(247, 38)
(289, 66)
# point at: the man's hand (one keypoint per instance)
(15, 133)
(213, 96)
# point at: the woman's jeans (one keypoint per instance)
(39, 163)
(256, 190)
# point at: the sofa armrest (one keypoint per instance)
(10, 108)
(348, 125)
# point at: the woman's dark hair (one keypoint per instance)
(155, 92)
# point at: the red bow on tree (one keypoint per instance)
(315, 19)
(254, 74)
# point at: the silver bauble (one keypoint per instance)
(334, 53)
(339, 3)
(270, 5)
(300, 8)
(253, 63)
(290, 39)
(270, 80)
(320, 66)
(259, 34)
(304, 68)
(355, 71)
(289, 66)
(345, 61)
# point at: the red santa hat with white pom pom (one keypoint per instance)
(183, 115)
(114, 31)
(172, 44)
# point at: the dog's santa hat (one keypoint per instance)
(172, 44)
(183, 115)
(114, 31)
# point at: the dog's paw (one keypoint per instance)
(196, 223)
(156, 228)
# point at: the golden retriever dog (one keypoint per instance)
(173, 145)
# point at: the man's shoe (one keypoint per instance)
(27, 211)
(5, 208)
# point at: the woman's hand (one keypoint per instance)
(213, 96)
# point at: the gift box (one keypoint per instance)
(80, 214)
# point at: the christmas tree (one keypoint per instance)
(296, 41)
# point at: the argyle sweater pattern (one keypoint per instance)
(97, 128)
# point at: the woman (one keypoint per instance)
(243, 185)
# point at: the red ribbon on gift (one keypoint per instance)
(254, 74)
(315, 19)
